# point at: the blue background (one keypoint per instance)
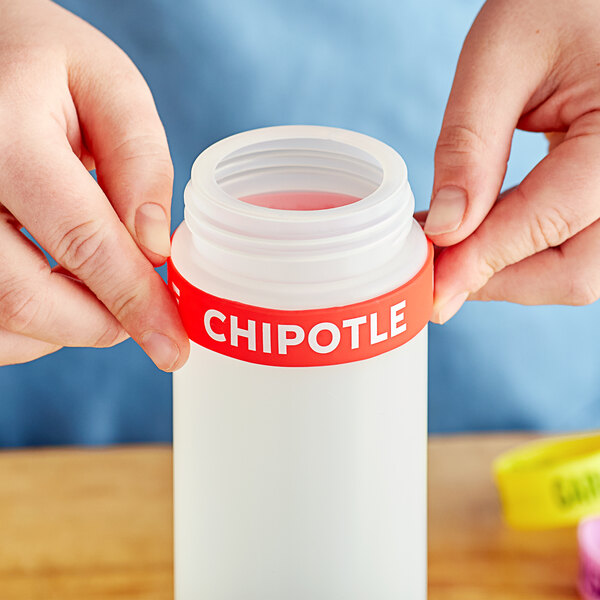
(383, 68)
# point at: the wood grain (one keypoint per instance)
(95, 524)
(472, 555)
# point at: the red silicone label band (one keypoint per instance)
(306, 338)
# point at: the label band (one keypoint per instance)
(550, 483)
(305, 338)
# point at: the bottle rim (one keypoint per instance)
(391, 165)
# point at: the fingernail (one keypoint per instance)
(450, 308)
(152, 228)
(161, 349)
(447, 210)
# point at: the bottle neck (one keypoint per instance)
(302, 212)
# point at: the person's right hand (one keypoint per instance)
(70, 100)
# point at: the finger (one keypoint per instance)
(421, 217)
(124, 134)
(568, 274)
(554, 139)
(62, 271)
(554, 202)
(71, 218)
(489, 93)
(16, 348)
(47, 305)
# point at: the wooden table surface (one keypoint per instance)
(95, 524)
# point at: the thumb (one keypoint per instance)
(491, 89)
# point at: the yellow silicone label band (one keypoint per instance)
(550, 483)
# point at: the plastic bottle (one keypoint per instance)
(300, 419)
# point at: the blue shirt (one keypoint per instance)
(383, 68)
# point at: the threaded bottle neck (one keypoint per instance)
(302, 208)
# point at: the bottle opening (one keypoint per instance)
(300, 200)
(299, 174)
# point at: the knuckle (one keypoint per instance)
(83, 248)
(581, 289)
(549, 229)
(112, 334)
(21, 70)
(476, 264)
(19, 308)
(147, 146)
(25, 60)
(488, 263)
(147, 153)
(458, 141)
(127, 302)
(132, 80)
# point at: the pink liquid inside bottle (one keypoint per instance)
(300, 200)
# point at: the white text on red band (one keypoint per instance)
(363, 331)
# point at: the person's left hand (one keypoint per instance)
(532, 65)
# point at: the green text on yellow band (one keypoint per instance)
(550, 483)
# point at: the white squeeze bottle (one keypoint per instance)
(300, 419)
